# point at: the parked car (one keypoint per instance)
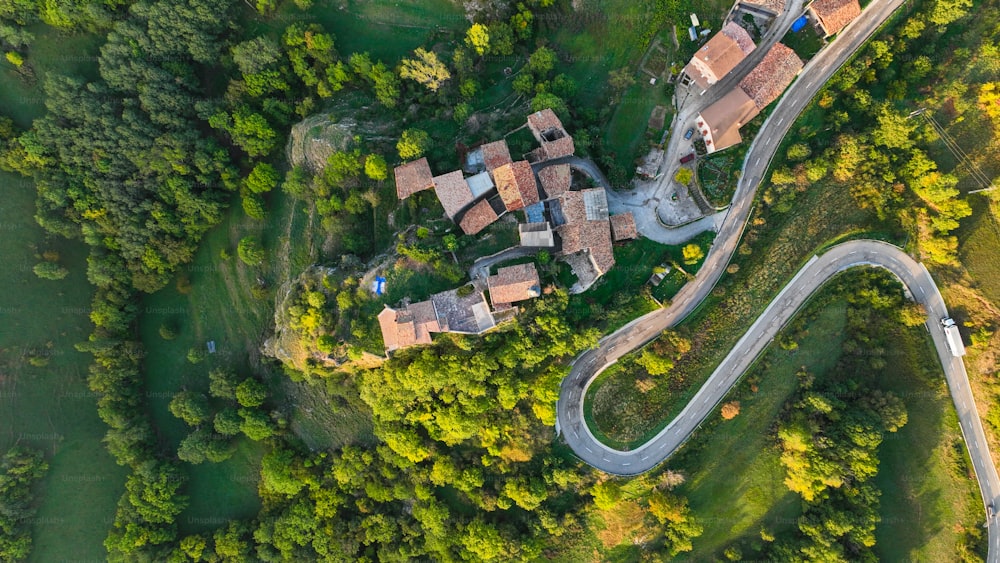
(689, 134)
(687, 159)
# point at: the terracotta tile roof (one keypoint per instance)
(513, 284)
(720, 122)
(772, 75)
(399, 329)
(543, 120)
(495, 154)
(570, 238)
(556, 180)
(453, 191)
(623, 226)
(573, 207)
(773, 6)
(562, 146)
(551, 134)
(596, 237)
(478, 217)
(743, 40)
(719, 55)
(516, 184)
(834, 15)
(413, 177)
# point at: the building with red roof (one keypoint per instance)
(550, 133)
(413, 177)
(478, 217)
(833, 15)
(516, 184)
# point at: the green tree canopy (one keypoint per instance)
(191, 407)
(412, 144)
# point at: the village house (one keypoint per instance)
(478, 217)
(449, 311)
(413, 177)
(719, 124)
(410, 325)
(538, 235)
(623, 227)
(718, 57)
(453, 192)
(772, 75)
(555, 180)
(581, 219)
(831, 16)
(512, 284)
(516, 184)
(549, 132)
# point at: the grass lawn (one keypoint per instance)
(804, 42)
(627, 134)
(50, 407)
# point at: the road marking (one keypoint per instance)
(626, 463)
(758, 161)
(810, 83)
(588, 449)
(780, 120)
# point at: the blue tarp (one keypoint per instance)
(379, 285)
(800, 23)
(535, 212)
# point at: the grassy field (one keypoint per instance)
(50, 407)
(627, 133)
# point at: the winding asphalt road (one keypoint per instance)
(778, 313)
(588, 365)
